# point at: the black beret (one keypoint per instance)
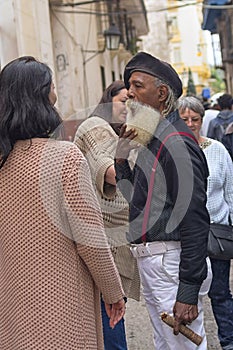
(143, 62)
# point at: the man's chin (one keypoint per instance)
(144, 119)
(143, 137)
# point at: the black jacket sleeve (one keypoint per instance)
(124, 179)
(187, 173)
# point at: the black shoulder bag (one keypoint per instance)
(220, 242)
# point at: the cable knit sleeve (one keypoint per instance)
(97, 140)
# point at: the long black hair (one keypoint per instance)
(25, 109)
(104, 107)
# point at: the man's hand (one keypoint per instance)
(115, 312)
(183, 314)
(124, 146)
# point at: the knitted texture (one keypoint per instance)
(97, 140)
(220, 189)
(54, 255)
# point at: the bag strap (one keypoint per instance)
(152, 179)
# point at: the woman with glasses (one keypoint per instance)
(220, 207)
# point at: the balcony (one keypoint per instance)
(210, 16)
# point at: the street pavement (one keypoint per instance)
(139, 330)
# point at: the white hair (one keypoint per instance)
(171, 101)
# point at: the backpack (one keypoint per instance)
(227, 140)
(224, 123)
(218, 127)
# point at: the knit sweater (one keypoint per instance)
(54, 255)
(97, 140)
(220, 186)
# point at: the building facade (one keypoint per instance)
(176, 36)
(156, 42)
(218, 18)
(69, 36)
(189, 43)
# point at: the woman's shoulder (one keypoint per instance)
(217, 149)
(94, 121)
(62, 150)
(216, 144)
(58, 159)
(95, 130)
(93, 124)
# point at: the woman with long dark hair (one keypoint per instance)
(54, 255)
(26, 103)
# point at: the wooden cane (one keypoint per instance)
(187, 332)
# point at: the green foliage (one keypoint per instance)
(191, 89)
(216, 81)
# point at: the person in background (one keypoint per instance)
(97, 138)
(206, 98)
(206, 103)
(220, 207)
(218, 125)
(227, 139)
(54, 256)
(168, 237)
(210, 114)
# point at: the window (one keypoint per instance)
(176, 55)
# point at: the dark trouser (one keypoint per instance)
(114, 339)
(222, 301)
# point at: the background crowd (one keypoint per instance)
(86, 225)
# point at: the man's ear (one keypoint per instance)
(163, 92)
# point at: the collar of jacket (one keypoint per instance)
(165, 123)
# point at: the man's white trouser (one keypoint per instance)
(159, 276)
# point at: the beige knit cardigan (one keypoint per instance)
(97, 140)
(54, 255)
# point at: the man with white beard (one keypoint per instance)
(166, 190)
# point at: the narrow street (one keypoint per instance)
(139, 330)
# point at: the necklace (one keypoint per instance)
(205, 143)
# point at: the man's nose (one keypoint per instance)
(130, 92)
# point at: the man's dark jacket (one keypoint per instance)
(178, 207)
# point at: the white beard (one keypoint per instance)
(144, 119)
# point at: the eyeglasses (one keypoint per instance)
(193, 120)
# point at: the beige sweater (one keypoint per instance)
(97, 140)
(54, 255)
